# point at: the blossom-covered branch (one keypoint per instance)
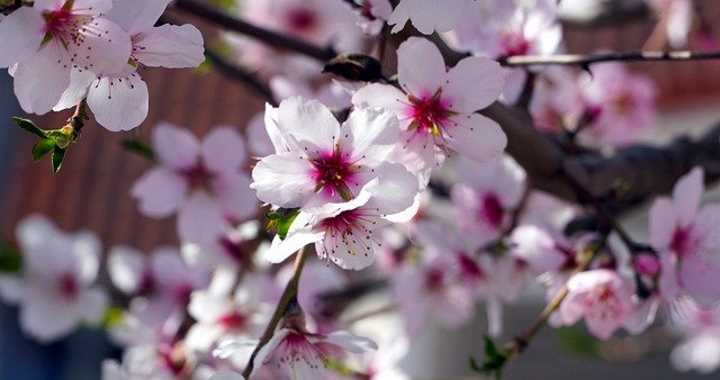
(586, 60)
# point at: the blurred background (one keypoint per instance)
(92, 192)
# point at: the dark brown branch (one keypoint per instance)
(236, 72)
(589, 59)
(278, 40)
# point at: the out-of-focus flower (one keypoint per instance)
(557, 103)
(200, 181)
(373, 14)
(700, 348)
(678, 18)
(623, 103)
(437, 108)
(686, 237)
(55, 291)
(428, 16)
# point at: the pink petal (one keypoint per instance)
(477, 137)
(175, 147)
(474, 84)
(421, 67)
(160, 192)
(21, 33)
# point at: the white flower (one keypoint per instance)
(56, 289)
(317, 161)
(437, 108)
(119, 99)
(347, 233)
(52, 38)
(200, 181)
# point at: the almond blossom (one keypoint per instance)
(437, 107)
(700, 348)
(318, 161)
(428, 16)
(623, 101)
(373, 14)
(55, 291)
(161, 282)
(487, 195)
(685, 236)
(346, 233)
(119, 99)
(604, 299)
(43, 43)
(200, 181)
(300, 355)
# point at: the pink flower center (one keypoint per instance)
(171, 360)
(429, 114)
(434, 279)
(366, 10)
(605, 305)
(513, 43)
(469, 269)
(57, 21)
(232, 249)
(68, 286)
(682, 242)
(198, 177)
(302, 20)
(147, 283)
(625, 103)
(182, 294)
(333, 173)
(233, 321)
(492, 210)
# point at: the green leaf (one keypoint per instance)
(29, 126)
(138, 147)
(10, 258)
(113, 316)
(280, 220)
(58, 155)
(493, 362)
(42, 147)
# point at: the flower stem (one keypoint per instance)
(289, 294)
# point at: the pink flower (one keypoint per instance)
(557, 103)
(428, 16)
(624, 102)
(437, 108)
(119, 99)
(603, 299)
(299, 355)
(486, 196)
(202, 182)
(55, 291)
(52, 38)
(346, 233)
(317, 160)
(685, 235)
(161, 283)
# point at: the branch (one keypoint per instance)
(278, 40)
(288, 296)
(239, 73)
(589, 59)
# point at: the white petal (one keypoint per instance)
(367, 131)
(310, 122)
(40, 81)
(687, 194)
(233, 192)
(170, 46)
(175, 146)
(77, 91)
(395, 190)
(201, 220)
(119, 104)
(46, 317)
(110, 46)
(137, 16)
(92, 305)
(421, 67)
(126, 267)
(160, 192)
(227, 375)
(475, 83)
(168, 268)
(223, 150)
(662, 223)
(21, 33)
(351, 343)
(477, 137)
(377, 95)
(283, 180)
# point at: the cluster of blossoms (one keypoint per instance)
(405, 174)
(63, 51)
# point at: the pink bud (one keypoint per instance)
(647, 264)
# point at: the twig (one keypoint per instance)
(289, 294)
(589, 59)
(236, 72)
(368, 314)
(521, 342)
(272, 38)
